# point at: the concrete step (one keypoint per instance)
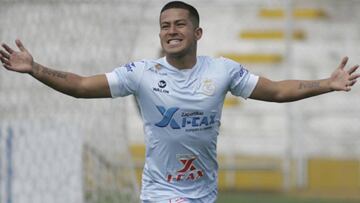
(298, 13)
(270, 35)
(254, 58)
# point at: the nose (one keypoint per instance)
(172, 29)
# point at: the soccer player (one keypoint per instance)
(180, 97)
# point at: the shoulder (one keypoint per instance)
(137, 66)
(141, 64)
(220, 63)
(218, 60)
(228, 62)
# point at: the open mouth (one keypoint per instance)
(174, 41)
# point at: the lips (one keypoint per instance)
(174, 41)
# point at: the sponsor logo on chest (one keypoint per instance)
(190, 120)
(188, 172)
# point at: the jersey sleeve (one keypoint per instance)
(124, 80)
(242, 82)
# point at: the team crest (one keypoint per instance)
(208, 87)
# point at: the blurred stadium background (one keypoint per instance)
(55, 148)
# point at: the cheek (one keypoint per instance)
(191, 37)
(161, 38)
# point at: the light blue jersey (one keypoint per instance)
(181, 111)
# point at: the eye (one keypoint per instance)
(181, 24)
(163, 27)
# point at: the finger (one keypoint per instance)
(4, 54)
(8, 67)
(354, 77)
(20, 45)
(348, 83)
(353, 69)
(352, 82)
(4, 61)
(343, 62)
(7, 48)
(348, 88)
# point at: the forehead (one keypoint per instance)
(174, 14)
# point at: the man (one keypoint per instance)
(180, 98)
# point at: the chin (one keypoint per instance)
(176, 52)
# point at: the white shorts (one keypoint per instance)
(210, 198)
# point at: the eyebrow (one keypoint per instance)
(176, 21)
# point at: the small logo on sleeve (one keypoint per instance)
(240, 73)
(129, 67)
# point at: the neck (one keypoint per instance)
(182, 61)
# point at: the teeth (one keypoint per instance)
(174, 41)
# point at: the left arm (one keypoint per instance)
(293, 90)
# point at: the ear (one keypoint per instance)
(198, 33)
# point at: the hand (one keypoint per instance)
(341, 79)
(19, 61)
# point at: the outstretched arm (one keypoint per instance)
(293, 90)
(68, 83)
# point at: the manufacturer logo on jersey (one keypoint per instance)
(191, 120)
(208, 87)
(189, 171)
(161, 87)
(162, 84)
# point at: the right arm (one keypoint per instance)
(72, 84)
(65, 82)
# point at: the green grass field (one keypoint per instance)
(227, 197)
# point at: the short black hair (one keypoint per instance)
(193, 13)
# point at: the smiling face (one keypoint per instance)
(178, 34)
